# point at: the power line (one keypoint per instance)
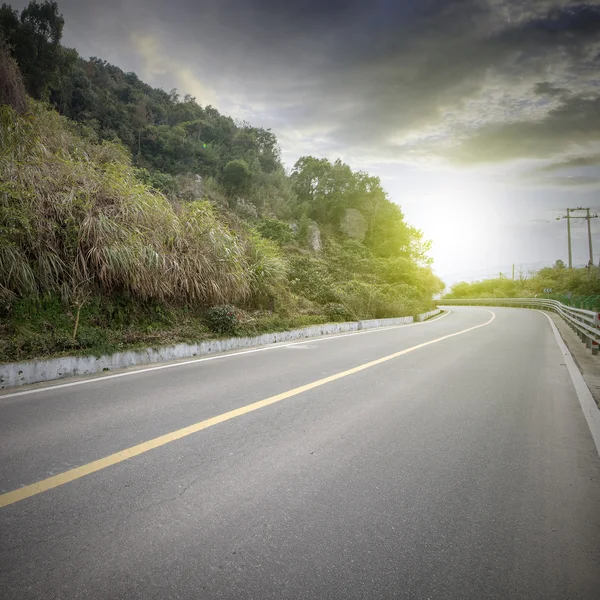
(583, 257)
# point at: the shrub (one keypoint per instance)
(276, 230)
(310, 277)
(162, 182)
(336, 312)
(245, 209)
(236, 175)
(288, 304)
(266, 268)
(222, 319)
(369, 301)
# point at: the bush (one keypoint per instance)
(245, 209)
(163, 182)
(369, 301)
(236, 175)
(222, 319)
(266, 268)
(310, 277)
(336, 312)
(276, 230)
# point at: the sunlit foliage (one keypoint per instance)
(114, 193)
(559, 279)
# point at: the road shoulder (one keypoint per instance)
(588, 365)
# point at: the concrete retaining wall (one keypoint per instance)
(428, 315)
(34, 371)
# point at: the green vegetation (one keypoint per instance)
(132, 217)
(222, 319)
(570, 286)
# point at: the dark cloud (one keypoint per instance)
(466, 81)
(547, 89)
(589, 160)
(575, 122)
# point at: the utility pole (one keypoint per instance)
(513, 271)
(591, 262)
(569, 238)
(589, 218)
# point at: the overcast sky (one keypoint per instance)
(481, 117)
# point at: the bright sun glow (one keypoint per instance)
(462, 227)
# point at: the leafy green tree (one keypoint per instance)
(35, 39)
(9, 24)
(268, 150)
(236, 175)
(12, 89)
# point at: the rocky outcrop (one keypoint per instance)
(353, 224)
(314, 237)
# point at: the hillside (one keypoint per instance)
(132, 216)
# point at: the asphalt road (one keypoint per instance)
(462, 469)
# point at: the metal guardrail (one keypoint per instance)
(586, 323)
(585, 302)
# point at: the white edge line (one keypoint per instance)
(275, 346)
(588, 404)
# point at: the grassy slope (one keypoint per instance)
(43, 329)
(95, 260)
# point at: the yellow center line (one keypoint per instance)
(97, 465)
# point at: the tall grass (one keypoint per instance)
(74, 219)
(12, 88)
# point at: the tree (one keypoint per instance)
(9, 23)
(75, 97)
(35, 41)
(559, 264)
(236, 175)
(12, 90)
(306, 177)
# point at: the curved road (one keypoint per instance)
(445, 460)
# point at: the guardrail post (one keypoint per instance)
(595, 348)
(588, 342)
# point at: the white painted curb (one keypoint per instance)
(35, 371)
